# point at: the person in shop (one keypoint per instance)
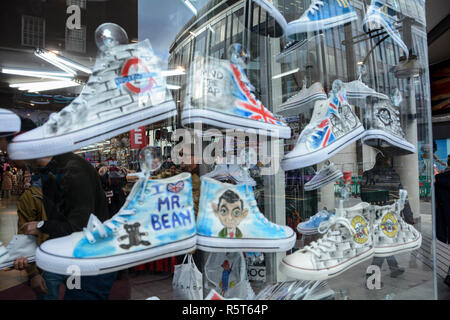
(72, 191)
(7, 183)
(442, 193)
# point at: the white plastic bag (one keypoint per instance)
(227, 273)
(187, 281)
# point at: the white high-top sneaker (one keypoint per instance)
(220, 95)
(304, 96)
(392, 235)
(20, 246)
(229, 221)
(327, 174)
(347, 241)
(9, 122)
(127, 89)
(333, 127)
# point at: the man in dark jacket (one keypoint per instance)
(72, 192)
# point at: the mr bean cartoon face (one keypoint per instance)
(230, 211)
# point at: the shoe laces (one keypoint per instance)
(260, 216)
(327, 243)
(315, 6)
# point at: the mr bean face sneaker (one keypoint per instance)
(9, 122)
(220, 95)
(20, 246)
(229, 221)
(327, 174)
(333, 126)
(304, 96)
(322, 15)
(157, 221)
(380, 14)
(127, 89)
(392, 235)
(347, 241)
(384, 127)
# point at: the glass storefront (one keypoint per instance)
(313, 117)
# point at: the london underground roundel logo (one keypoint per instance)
(133, 77)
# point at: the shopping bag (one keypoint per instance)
(187, 281)
(227, 274)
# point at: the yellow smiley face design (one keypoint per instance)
(389, 225)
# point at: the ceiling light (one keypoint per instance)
(55, 58)
(38, 74)
(285, 74)
(46, 57)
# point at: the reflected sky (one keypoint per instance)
(161, 20)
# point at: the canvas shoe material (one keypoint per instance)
(333, 127)
(20, 246)
(156, 221)
(392, 235)
(322, 15)
(229, 221)
(380, 14)
(9, 122)
(384, 125)
(305, 95)
(347, 241)
(126, 90)
(311, 226)
(220, 95)
(359, 90)
(327, 174)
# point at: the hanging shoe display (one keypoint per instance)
(20, 246)
(220, 95)
(392, 235)
(327, 174)
(126, 90)
(304, 96)
(347, 241)
(229, 220)
(333, 127)
(157, 221)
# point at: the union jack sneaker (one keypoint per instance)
(381, 14)
(20, 246)
(304, 96)
(220, 95)
(333, 127)
(392, 235)
(229, 220)
(327, 174)
(9, 122)
(127, 89)
(156, 221)
(322, 15)
(346, 242)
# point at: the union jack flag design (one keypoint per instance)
(247, 104)
(175, 187)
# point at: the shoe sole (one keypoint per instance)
(296, 27)
(310, 159)
(376, 134)
(324, 274)
(96, 266)
(329, 179)
(11, 263)
(192, 116)
(299, 103)
(214, 244)
(71, 141)
(398, 249)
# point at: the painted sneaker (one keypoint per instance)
(156, 221)
(126, 90)
(229, 221)
(333, 127)
(20, 246)
(327, 174)
(380, 14)
(392, 235)
(384, 128)
(9, 122)
(322, 15)
(304, 96)
(347, 241)
(220, 95)
(312, 225)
